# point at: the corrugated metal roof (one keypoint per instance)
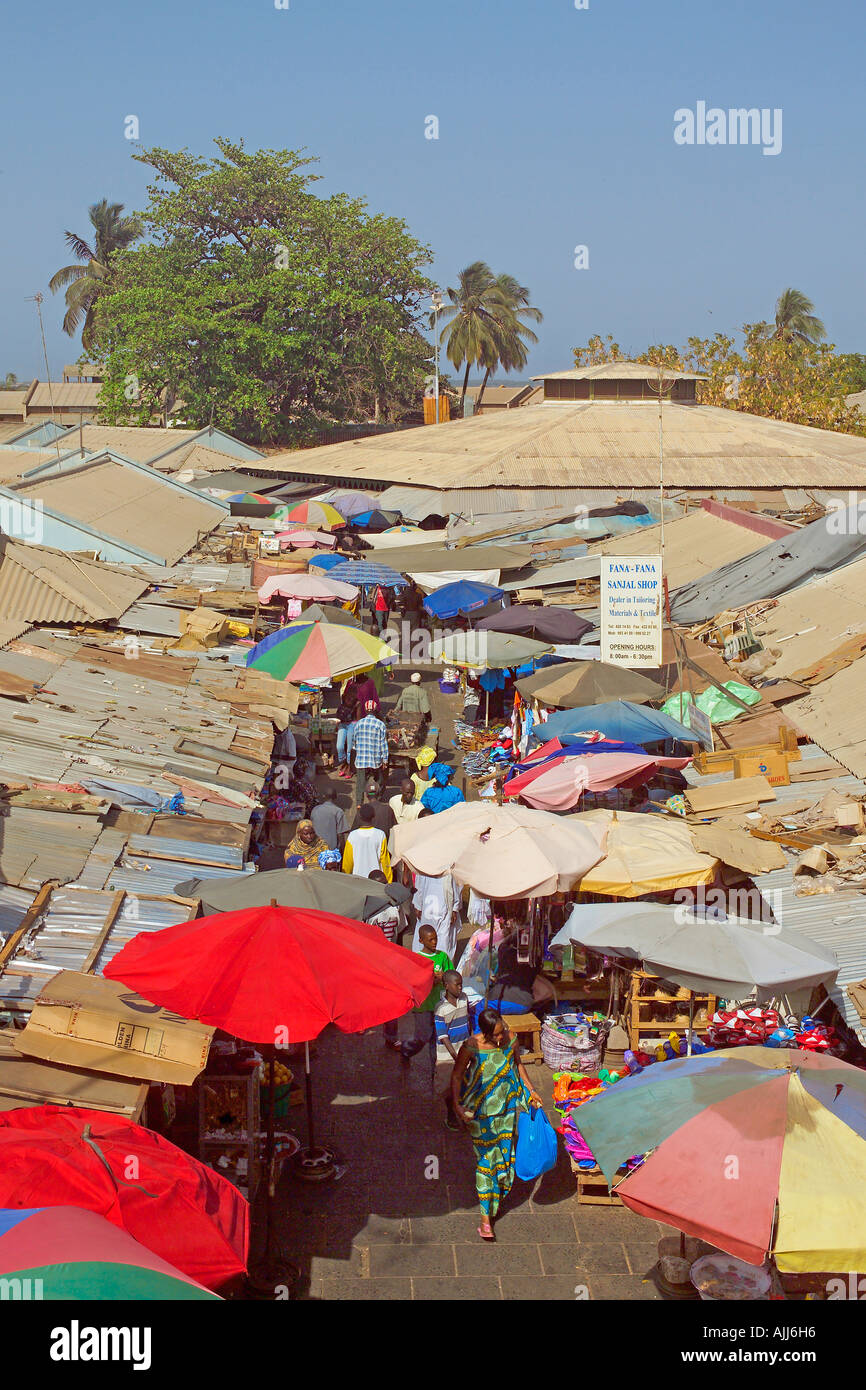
(48, 586)
(131, 504)
(10, 629)
(596, 444)
(619, 371)
(694, 545)
(836, 920)
(135, 442)
(65, 395)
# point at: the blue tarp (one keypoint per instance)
(619, 719)
(326, 561)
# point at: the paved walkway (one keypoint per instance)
(402, 1223)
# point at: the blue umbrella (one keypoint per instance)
(326, 561)
(619, 720)
(366, 572)
(462, 596)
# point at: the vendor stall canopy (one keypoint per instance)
(620, 719)
(644, 854)
(545, 624)
(581, 683)
(486, 650)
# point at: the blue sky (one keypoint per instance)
(555, 130)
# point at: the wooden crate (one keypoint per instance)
(592, 1189)
(722, 760)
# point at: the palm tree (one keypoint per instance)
(796, 321)
(473, 321)
(87, 281)
(513, 333)
(11, 383)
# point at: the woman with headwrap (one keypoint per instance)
(441, 794)
(424, 758)
(307, 844)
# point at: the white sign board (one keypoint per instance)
(632, 599)
(700, 725)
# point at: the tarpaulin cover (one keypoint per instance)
(774, 569)
(621, 719)
(182, 1210)
(712, 703)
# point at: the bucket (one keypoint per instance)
(675, 1269)
(722, 1278)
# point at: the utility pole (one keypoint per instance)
(436, 303)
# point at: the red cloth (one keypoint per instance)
(175, 1206)
(275, 974)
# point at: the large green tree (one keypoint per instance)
(260, 305)
(85, 281)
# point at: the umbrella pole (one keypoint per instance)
(486, 708)
(313, 1164)
(308, 1083)
(269, 1158)
(691, 1024)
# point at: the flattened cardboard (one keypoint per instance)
(87, 1021)
(743, 791)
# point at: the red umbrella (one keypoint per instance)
(261, 970)
(58, 1155)
(276, 975)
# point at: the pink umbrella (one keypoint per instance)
(315, 587)
(558, 786)
(293, 536)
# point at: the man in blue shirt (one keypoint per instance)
(371, 750)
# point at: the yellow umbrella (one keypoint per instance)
(645, 854)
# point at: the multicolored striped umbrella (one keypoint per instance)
(318, 514)
(316, 652)
(247, 497)
(69, 1253)
(759, 1151)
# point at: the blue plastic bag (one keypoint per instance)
(536, 1145)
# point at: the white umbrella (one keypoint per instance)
(730, 957)
(501, 851)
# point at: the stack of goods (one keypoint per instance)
(486, 751)
(764, 1028)
(570, 1091)
(573, 1040)
(405, 732)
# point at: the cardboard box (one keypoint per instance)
(25, 1081)
(773, 766)
(87, 1021)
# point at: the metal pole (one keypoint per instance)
(269, 1158)
(661, 474)
(436, 351)
(311, 1143)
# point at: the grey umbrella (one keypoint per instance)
(347, 895)
(730, 957)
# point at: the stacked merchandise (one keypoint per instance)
(570, 1091)
(486, 751)
(765, 1028)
